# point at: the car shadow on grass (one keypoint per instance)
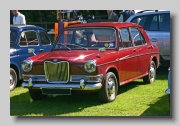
(22, 104)
(124, 88)
(162, 73)
(161, 106)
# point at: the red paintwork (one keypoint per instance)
(106, 24)
(128, 64)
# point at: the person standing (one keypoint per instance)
(18, 17)
(125, 15)
(112, 16)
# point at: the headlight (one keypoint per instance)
(90, 66)
(26, 65)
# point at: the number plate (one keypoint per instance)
(56, 91)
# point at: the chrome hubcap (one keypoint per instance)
(152, 72)
(11, 80)
(111, 87)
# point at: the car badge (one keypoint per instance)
(55, 60)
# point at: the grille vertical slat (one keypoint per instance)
(56, 72)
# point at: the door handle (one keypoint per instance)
(134, 50)
(149, 47)
(40, 50)
(154, 40)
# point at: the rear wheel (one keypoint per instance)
(109, 89)
(13, 79)
(36, 94)
(151, 77)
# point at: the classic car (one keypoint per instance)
(92, 57)
(168, 90)
(24, 39)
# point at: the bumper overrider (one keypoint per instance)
(77, 82)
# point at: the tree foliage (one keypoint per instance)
(51, 15)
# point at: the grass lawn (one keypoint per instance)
(133, 99)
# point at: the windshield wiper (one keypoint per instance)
(77, 46)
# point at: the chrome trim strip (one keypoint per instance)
(108, 62)
(73, 78)
(92, 86)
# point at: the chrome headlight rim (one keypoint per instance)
(90, 62)
(25, 64)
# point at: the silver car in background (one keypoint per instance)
(157, 26)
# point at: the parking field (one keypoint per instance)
(133, 99)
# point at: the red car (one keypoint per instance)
(92, 57)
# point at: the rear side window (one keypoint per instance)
(137, 37)
(154, 22)
(164, 22)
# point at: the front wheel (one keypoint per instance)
(151, 77)
(109, 89)
(13, 79)
(36, 94)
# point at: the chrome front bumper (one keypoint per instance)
(75, 86)
(77, 82)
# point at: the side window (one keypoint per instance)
(137, 37)
(140, 20)
(154, 24)
(125, 38)
(28, 38)
(44, 38)
(164, 22)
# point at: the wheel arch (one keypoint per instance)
(17, 70)
(155, 61)
(114, 70)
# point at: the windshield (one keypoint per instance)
(13, 37)
(86, 38)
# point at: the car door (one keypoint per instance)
(28, 41)
(143, 50)
(45, 42)
(127, 57)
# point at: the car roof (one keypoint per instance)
(25, 27)
(105, 24)
(148, 12)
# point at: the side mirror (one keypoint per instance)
(31, 51)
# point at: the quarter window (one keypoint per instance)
(154, 24)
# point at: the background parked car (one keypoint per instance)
(157, 26)
(25, 39)
(92, 57)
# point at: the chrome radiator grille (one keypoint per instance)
(56, 72)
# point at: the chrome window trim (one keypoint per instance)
(28, 31)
